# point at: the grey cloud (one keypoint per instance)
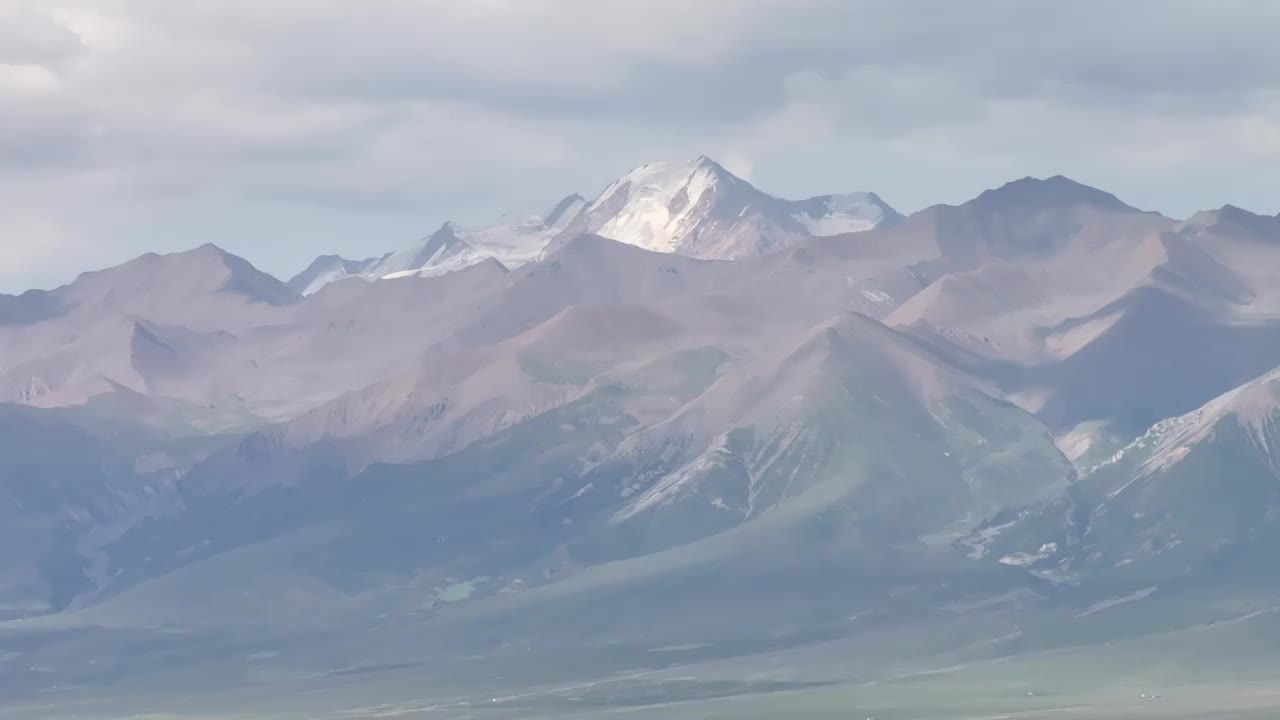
(29, 36)
(41, 139)
(720, 62)
(433, 106)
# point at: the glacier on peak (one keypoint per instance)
(659, 203)
(700, 209)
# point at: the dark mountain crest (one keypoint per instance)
(152, 354)
(29, 308)
(1267, 226)
(441, 243)
(1056, 191)
(247, 280)
(557, 212)
(348, 265)
(588, 245)
(206, 261)
(143, 333)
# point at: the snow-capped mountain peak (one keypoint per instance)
(657, 205)
(450, 248)
(695, 208)
(436, 247)
(827, 215)
(699, 208)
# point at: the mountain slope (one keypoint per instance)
(850, 445)
(639, 457)
(1196, 496)
(69, 481)
(1087, 311)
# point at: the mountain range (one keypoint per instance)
(684, 414)
(696, 208)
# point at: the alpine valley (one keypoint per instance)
(680, 450)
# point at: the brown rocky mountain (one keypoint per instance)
(901, 421)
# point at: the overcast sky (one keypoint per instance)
(283, 129)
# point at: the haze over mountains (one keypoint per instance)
(684, 413)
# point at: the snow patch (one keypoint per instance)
(878, 297)
(511, 244)
(1026, 560)
(1113, 602)
(979, 543)
(676, 484)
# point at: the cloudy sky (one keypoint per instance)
(282, 129)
